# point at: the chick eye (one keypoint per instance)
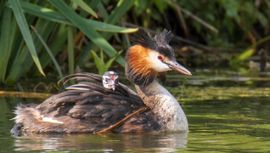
(160, 58)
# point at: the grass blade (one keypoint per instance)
(23, 25)
(117, 13)
(85, 7)
(102, 10)
(7, 35)
(101, 26)
(80, 23)
(110, 62)
(70, 51)
(122, 7)
(49, 52)
(21, 54)
(98, 62)
(54, 16)
(56, 44)
(44, 12)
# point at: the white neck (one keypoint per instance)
(166, 108)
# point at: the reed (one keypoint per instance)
(60, 29)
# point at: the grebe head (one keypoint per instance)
(110, 80)
(150, 56)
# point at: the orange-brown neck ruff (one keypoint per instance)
(138, 68)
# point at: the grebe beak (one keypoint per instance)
(174, 65)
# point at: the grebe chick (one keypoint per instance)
(110, 80)
(93, 104)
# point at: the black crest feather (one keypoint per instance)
(163, 38)
(143, 38)
(159, 42)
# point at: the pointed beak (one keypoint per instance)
(174, 65)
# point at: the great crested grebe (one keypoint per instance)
(92, 105)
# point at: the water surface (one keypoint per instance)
(227, 118)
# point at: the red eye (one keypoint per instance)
(160, 58)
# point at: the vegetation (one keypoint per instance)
(39, 38)
(57, 34)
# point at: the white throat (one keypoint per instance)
(167, 109)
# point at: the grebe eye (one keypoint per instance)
(160, 58)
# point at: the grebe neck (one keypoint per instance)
(166, 108)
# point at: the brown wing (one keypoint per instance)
(89, 103)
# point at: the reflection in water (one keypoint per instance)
(165, 142)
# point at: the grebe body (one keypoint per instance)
(93, 104)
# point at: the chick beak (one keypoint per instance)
(174, 65)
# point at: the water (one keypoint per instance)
(232, 118)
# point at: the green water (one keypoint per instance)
(231, 118)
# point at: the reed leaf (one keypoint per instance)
(115, 16)
(109, 63)
(57, 44)
(102, 10)
(44, 12)
(49, 52)
(70, 51)
(98, 62)
(101, 26)
(80, 23)
(122, 7)
(54, 16)
(7, 35)
(22, 62)
(23, 25)
(85, 7)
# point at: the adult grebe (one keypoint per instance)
(89, 107)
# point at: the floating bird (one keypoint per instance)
(97, 104)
